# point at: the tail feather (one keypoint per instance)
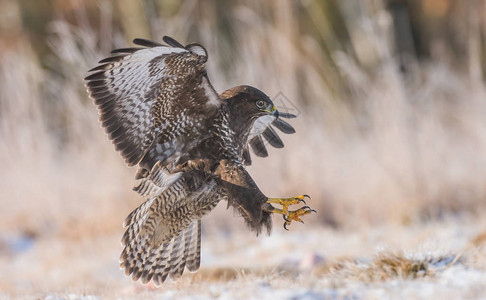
(187, 246)
(159, 268)
(143, 261)
(148, 272)
(176, 257)
(177, 271)
(163, 235)
(166, 265)
(194, 253)
(137, 216)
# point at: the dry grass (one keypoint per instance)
(389, 265)
(385, 155)
(479, 240)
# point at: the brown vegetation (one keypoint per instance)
(391, 135)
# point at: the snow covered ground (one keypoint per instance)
(445, 260)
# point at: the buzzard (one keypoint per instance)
(161, 112)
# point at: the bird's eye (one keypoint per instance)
(260, 103)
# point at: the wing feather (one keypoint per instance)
(170, 41)
(126, 50)
(272, 137)
(146, 43)
(283, 126)
(258, 146)
(263, 128)
(138, 89)
(246, 156)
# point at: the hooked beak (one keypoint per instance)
(275, 112)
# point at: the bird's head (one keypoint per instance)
(249, 102)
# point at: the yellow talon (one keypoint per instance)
(289, 216)
(295, 215)
(286, 202)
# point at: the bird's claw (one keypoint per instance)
(287, 215)
(302, 198)
(286, 202)
(296, 214)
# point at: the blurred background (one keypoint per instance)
(392, 126)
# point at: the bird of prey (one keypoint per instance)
(191, 144)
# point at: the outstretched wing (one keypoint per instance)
(262, 131)
(153, 97)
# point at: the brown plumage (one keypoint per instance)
(161, 112)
